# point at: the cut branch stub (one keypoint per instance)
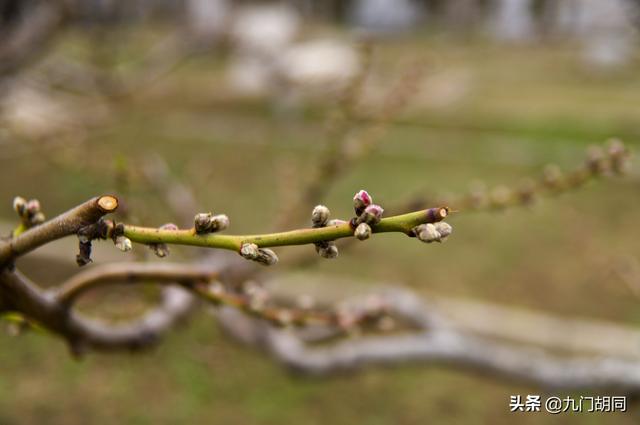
(108, 203)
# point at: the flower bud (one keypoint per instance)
(250, 251)
(160, 249)
(361, 200)
(320, 216)
(371, 215)
(33, 207)
(267, 257)
(444, 229)
(596, 162)
(619, 156)
(362, 232)
(264, 256)
(123, 243)
(552, 176)
(169, 226)
(327, 250)
(19, 205)
(427, 233)
(284, 317)
(208, 223)
(202, 222)
(219, 222)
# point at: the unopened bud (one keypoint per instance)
(320, 216)
(249, 251)
(169, 226)
(619, 156)
(444, 229)
(361, 200)
(427, 233)
(33, 207)
(327, 250)
(596, 162)
(552, 176)
(208, 223)
(371, 215)
(335, 222)
(123, 243)
(267, 257)
(219, 222)
(162, 250)
(19, 205)
(363, 232)
(202, 222)
(264, 256)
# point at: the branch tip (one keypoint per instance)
(108, 203)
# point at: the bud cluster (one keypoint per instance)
(367, 214)
(614, 160)
(264, 256)
(29, 211)
(433, 232)
(209, 223)
(320, 218)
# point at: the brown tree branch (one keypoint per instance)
(435, 342)
(66, 224)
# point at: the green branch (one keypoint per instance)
(404, 223)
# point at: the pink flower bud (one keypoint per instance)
(361, 200)
(371, 215)
(33, 207)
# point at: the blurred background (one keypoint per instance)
(240, 100)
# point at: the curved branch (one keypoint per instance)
(460, 350)
(83, 333)
(436, 342)
(161, 273)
